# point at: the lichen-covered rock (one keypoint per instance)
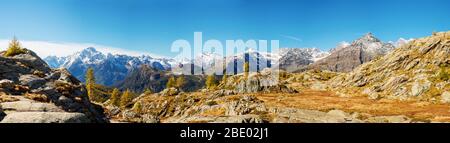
(6, 84)
(147, 118)
(32, 81)
(418, 88)
(45, 117)
(32, 61)
(170, 92)
(265, 82)
(26, 76)
(221, 119)
(29, 106)
(389, 119)
(445, 97)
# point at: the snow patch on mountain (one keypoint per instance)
(400, 42)
(109, 68)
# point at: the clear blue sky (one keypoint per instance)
(152, 25)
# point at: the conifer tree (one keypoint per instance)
(148, 91)
(224, 78)
(170, 82)
(137, 107)
(115, 97)
(211, 81)
(14, 48)
(90, 83)
(246, 69)
(126, 98)
(180, 82)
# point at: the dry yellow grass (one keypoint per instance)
(7, 98)
(214, 112)
(325, 101)
(36, 97)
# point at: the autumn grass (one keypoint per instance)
(7, 98)
(326, 101)
(36, 97)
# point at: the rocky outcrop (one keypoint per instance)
(311, 79)
(347, 58)
(445, 97)
(293, 115)
(240, 108)
(195, 107)
(417, 70)
(267, 81)
(42, 94)
(170, 92)
(45, 117)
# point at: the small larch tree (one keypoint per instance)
(211, 81)
(180, 82)
(115, 97)
(224, 78)
(126, 98)
(14, 48)
(148, 91)
(171, 82)
(443, 74)
(90, 83)
(246, 68)
(137, 107)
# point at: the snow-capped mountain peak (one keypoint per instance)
(88, 56)
(108, 67)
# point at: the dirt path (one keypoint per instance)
(325, 101)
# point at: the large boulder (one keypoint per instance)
(170, 92)
(32, 61)
(419, 88)
(45, 117)
(6, 85)
(445, 97)
(41, 89)
(29, 106)
(32, 81)
(265, 82)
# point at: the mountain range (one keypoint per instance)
(112, 70)
(345, 58)
(108, 68)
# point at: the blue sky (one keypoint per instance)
(152, 25)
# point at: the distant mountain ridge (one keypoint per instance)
(347, 57)
(419, 69)
(113, 69)
(108, 68)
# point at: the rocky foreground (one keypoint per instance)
(31, 92)
(253, 101)
(307, 107)
(408, 85)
